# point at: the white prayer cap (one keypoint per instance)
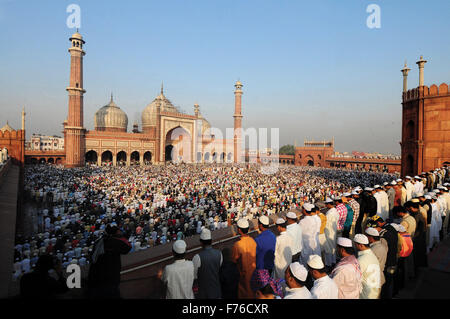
(361, 239)
(385, 183)
(408, 177)
(346, 195)
(308, 206)
(280, 221)
(417, 177)
(427, 196)
(355, 193)
(377, 186)
(298, 271)
(372, 232)
(243, 223)
(315, 262)
(344, 242)
(369, 189)
(393, 183)
(399, 180)
(205, 234)
(264, 220)
(179, 246)
(329, 200)
(291, 215)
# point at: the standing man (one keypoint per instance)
(349, 219)
(207, 265)
(356, 211)
(347, 273)
(265, 245)
(296, 275)
(390, 190)
(324, 287)
(342, 211)
(380, 248)
(388, 233)
(310, 225)
(370, 268)
(409, 188)
(329, 248)
(244, 255)
(283, 250)
(294, 229)
(179, 276)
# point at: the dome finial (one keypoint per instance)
(162, 87)
(111, 96)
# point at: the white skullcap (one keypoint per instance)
(361, 239)
(377, 186)
(298, 271)
(393, 183)
(291, 215)
(344, 242)
(385, 183)
(308, 206)
(205, 234)
(329, 200)
(355, 193)
(243, 223)
(315, 262)
(372, 232)
(417, 177)
(408, 177)
(264, 220)
(399, 180)
(346, 195)
(369, 189)
(427, 197)
(179, 246)
(280, 221)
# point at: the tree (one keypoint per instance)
(287, 150)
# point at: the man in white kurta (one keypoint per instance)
(409, 188)
(330, 231)
(283, 250)
(294, 229)
(418, 186)
(370, 268)
(324, 287)
(310, 225)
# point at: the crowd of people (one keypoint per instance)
(156, 205)
(366, 244)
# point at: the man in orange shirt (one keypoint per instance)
(244, 255)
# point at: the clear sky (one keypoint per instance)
(311, 68)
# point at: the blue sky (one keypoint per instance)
(312, 68)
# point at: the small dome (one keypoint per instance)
(149, 113)
(6, 128)
(111, 118)
(76, 35)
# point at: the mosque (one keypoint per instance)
(167, 133)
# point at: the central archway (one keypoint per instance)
(309, 160)
(178, 144)
(121, 158)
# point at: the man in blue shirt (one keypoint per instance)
(265, 245)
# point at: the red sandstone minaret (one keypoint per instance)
(73, 128)
(237, 122)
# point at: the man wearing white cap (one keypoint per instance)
(370, 268)
(244, 255)
(347, 274)
(329, 247)
(296, 275)
(179, 276)
(379, 247)
(294, 229)
(409, 188)
(382, 202)
(324, 287)
(310, 225)
(283, 250)
(207, 265)
(265, 245)
(418, 186)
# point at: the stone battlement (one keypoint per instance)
(431, 91)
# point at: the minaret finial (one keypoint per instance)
(162, 87)
(111, 96)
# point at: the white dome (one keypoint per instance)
(111, 117)
(149, 113)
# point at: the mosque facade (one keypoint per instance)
(167, 133)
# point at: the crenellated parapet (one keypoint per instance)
(426, 92)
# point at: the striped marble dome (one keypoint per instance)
(111, 118)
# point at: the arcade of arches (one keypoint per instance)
(121, 158)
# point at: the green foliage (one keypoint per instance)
(287, 150)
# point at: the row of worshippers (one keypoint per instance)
(388, 253)
(154, 206)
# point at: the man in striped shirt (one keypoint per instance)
(342, 210)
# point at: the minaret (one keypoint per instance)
(238, 122)
(23, 119)
(421, 64)
(196, 110)
(405, 71)
(74, 130)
